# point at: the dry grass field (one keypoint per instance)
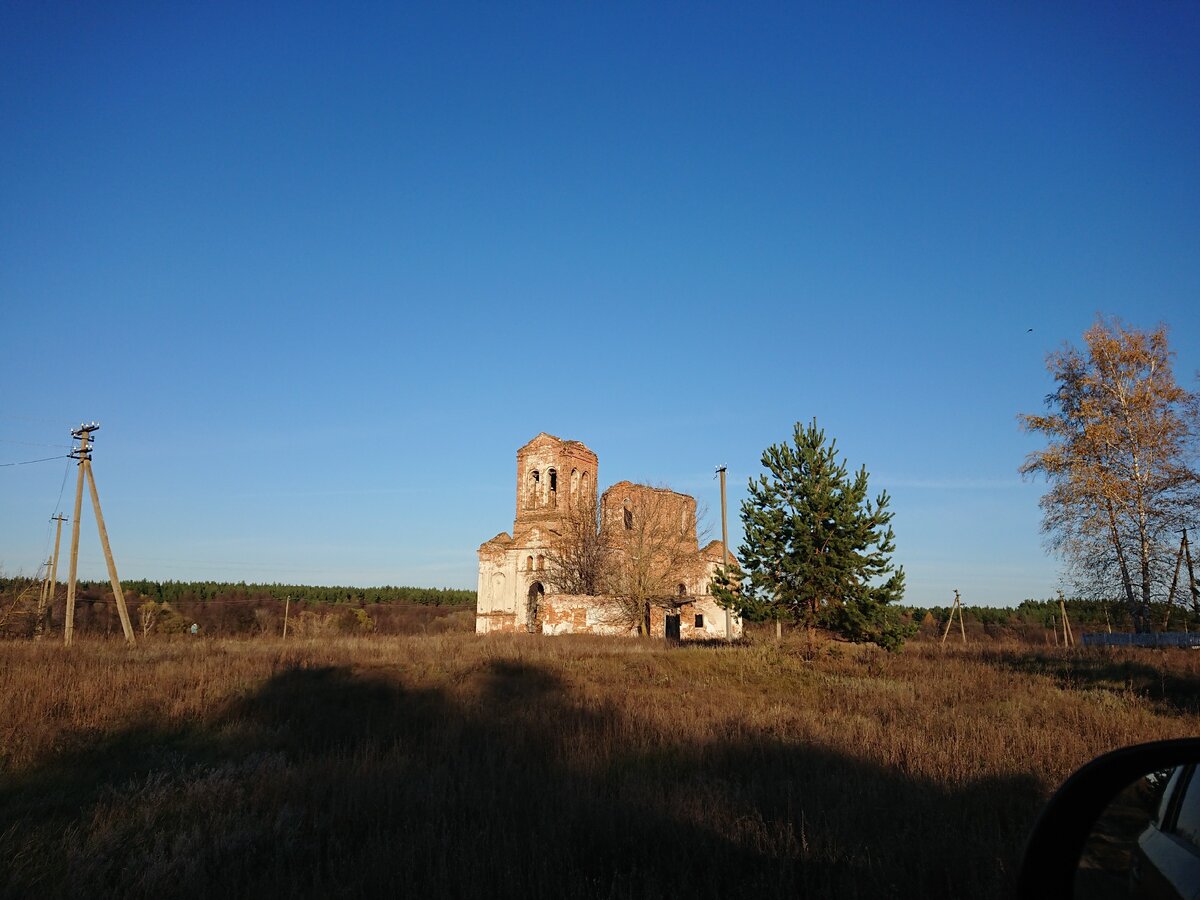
(457, 766)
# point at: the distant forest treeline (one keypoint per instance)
(191, 591)
(1084, 615)
(229, 608)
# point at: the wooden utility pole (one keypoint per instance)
(1166, 625)
(287, 602)
(725, 551)
(47, 597)
(69, 616)
(1068, 637)
(41, 605)
(83, 453)
(957, 607)
(1187, 555)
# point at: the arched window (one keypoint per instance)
(529, 564)
(628, 516)
(531, 489)
(584, 482)
(682, 590)
(532, 603)
(553, 479)
(574, 499)
(541, 562)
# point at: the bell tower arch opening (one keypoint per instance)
(531, 488)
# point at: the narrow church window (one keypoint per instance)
(553, 488)
(682, 591)
(628, 517)
(529, 564)
(574, 486)
(699, 621)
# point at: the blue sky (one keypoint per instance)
(320, 270)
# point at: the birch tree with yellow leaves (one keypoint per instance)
(1120, 463)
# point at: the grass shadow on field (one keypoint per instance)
(1114, 671)
(325, 781)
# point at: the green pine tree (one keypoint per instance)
(817, 549)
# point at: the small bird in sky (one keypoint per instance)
(1027, 330)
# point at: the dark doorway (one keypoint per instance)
(533, 622)
(672, 627)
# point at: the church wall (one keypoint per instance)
(570, 614)
(495, 609)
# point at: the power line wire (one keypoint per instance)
(57, 505)
(29, 462)
(62, 487)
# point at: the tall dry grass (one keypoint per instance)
(453, 765)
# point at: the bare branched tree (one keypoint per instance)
(579, 556)
(654, 552)
(148, 614)
(18, 604)
(637, 552)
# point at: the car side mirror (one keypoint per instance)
(1154, 786)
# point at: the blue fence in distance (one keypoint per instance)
(1161, 639)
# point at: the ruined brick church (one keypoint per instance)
(555, 479)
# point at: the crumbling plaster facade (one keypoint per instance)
(555, 477)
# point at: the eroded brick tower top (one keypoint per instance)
(553, 477)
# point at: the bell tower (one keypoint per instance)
(554, 477)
